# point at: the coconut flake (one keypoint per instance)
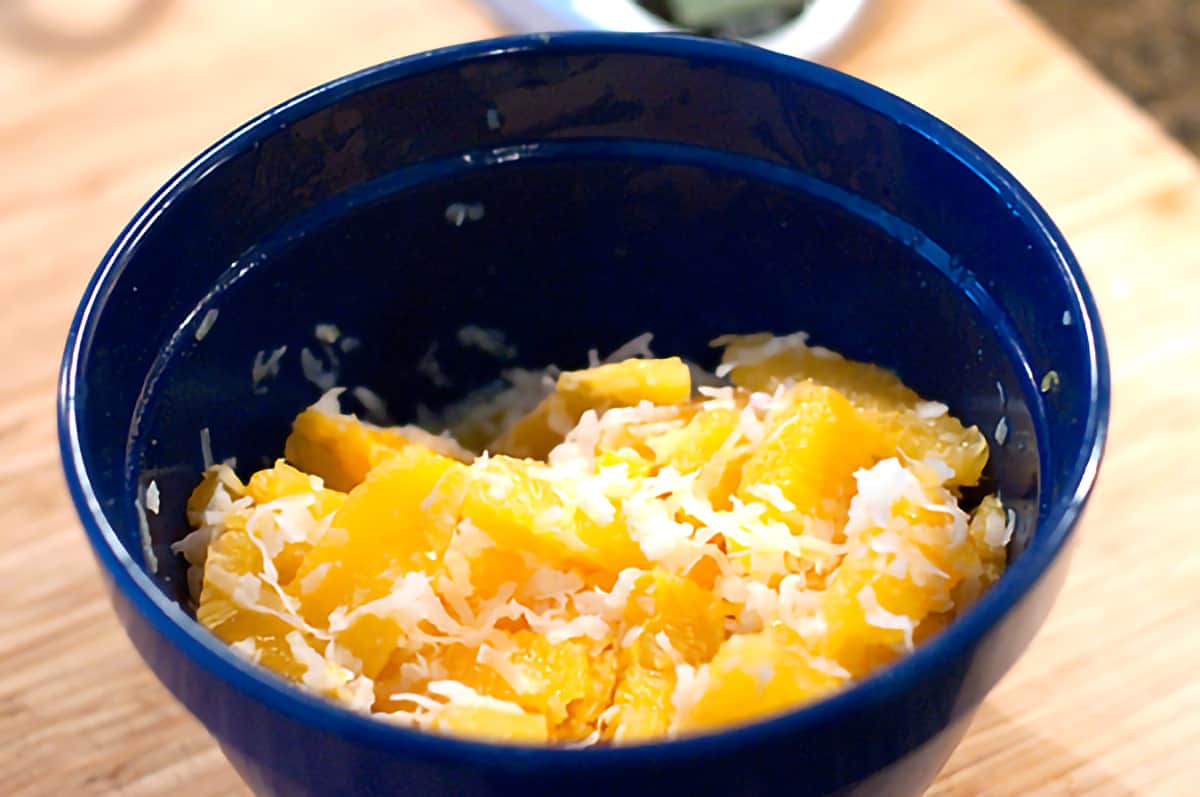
(502, 664)
(745, 350)
(928, 410)
(247, 648)
(488, 341)
(879, 488)
(206, 455)
(876, 615)
(327, 333)
(373, 403)
(152, 497)
(316, 371)
(329, 404)
(459, 694)
(638, 346)
(998, 529)
(1050, 381)
(772, 495)
(585, 625)
(690, 685)
(144, 533)
(206, 323)
(429, 367)
(458, 213)
(265, 367)
(313, 578)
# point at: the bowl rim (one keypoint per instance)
(206, 651)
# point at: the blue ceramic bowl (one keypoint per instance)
(606, 185)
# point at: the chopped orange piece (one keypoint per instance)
(627, 383)
(688, 615)
(489, 723)
(754, 676)
(642, 700)
(882, 397)
(629, 562)
(812, 445)
(388, 525)
(622, 384)
(338, 448)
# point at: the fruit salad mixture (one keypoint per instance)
(635, 557)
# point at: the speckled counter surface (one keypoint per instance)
(1150, 49)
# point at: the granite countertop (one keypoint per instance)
(1149, 48)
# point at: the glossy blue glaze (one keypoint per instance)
(627, 183)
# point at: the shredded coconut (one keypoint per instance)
(458, 694)
(327, 333)
(265, 367)
(771, 565)
(457, 213)
(876, 615)
(638, 346)
(373, 403)
(1001, 433)
(755, 349)
(322, 373)
(998, 531)
(206, 455)
(206, 323)
(488, 341)
(429, 367)
(152, 497)
(144, 532)
(929, 410)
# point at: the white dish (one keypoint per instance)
(813, 35)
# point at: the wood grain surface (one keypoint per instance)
(1106, 702)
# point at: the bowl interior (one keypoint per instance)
(572, 196)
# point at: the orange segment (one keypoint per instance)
(200, 497)
(534, 435)
(520, 511)
(627, 383)
(388, 525)
(686, 613)
(642, 699)
(569, 682)
(801, 538)
(230, 575)
(754, 676)
(622, 384)
(338, 448)
(491, 723)
(515, 503)
(854, 638)
(879, 393)
(282, 480)
(694, 446)
(813, 443)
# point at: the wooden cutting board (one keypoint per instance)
(1106, 701)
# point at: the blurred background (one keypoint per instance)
(1150, 49)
